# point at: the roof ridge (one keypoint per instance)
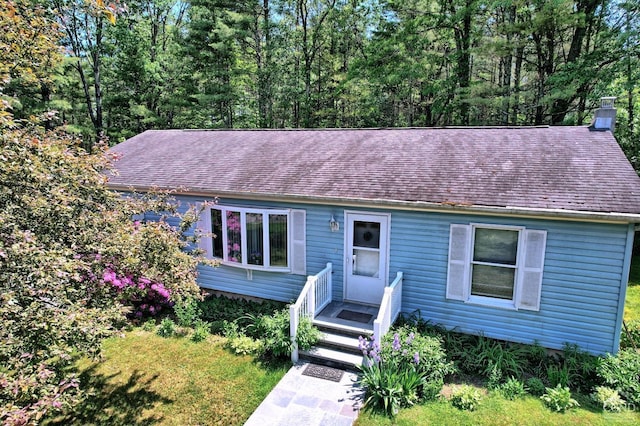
(342, 129)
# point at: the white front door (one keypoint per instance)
(366, 262)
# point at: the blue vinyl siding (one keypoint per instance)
(583, 280)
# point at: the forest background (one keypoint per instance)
(154, 64)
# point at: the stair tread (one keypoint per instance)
(343, 328)
(340, 340)
(333, 355)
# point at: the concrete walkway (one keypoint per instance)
(303, 400)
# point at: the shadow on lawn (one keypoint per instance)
(113, 404)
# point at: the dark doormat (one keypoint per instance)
(322, 372)
(346, 314)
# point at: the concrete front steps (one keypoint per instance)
(338, 346)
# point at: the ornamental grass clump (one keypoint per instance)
(404, 369)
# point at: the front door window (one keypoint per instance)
(366, 248)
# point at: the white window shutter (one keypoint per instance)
(531, 272)
(299, 242)
(205, 243)
(459, 262)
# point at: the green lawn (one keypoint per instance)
(495, 410)
(147, 379)
(632, 304)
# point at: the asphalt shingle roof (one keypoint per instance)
(568, 168)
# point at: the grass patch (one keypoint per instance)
(494, 409)
(632, 303)
(146, 379)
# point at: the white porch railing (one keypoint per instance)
(315, 296)
(389, 308)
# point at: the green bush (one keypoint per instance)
(512, 389)
(307, 335)
(466, 398)
(608, 399)
(274, 332)
(622, 373)
(245, 345)
(217, 309)
(167, 328)
(186, 311)
(200, 331)
(535, 386)
(559, 399)
(149, 325)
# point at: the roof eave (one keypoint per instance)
(512, 211)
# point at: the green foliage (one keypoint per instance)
(608, 399)
(535, 386)
(581, 368)
(72, 260)
(220, 310)
(622, 373)
(389, 389)
(273, 330)
(167, 328)
(186, 311)
(245, 345)
(557, 375)
(307, 334)
(466, 398)
(495, 379)
(483, 356)
(200, 331)
(559, 399)
(263, 328)
(149, 325)
(406, 368)
(512, 389)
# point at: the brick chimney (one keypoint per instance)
(605, 117)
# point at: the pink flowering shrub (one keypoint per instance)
(145, 297)
(70, 259)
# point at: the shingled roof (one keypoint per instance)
(537, 168)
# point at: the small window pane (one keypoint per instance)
(255, 246)
(366, 263)
(234, 237)
(278, 240)
(216, 228)
(495, 246)
(366, 234)
(492, 281)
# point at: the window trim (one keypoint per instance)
(532, 255)
(265, 212)
(517, 281)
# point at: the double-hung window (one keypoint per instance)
(257, 239)
(497, 266)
